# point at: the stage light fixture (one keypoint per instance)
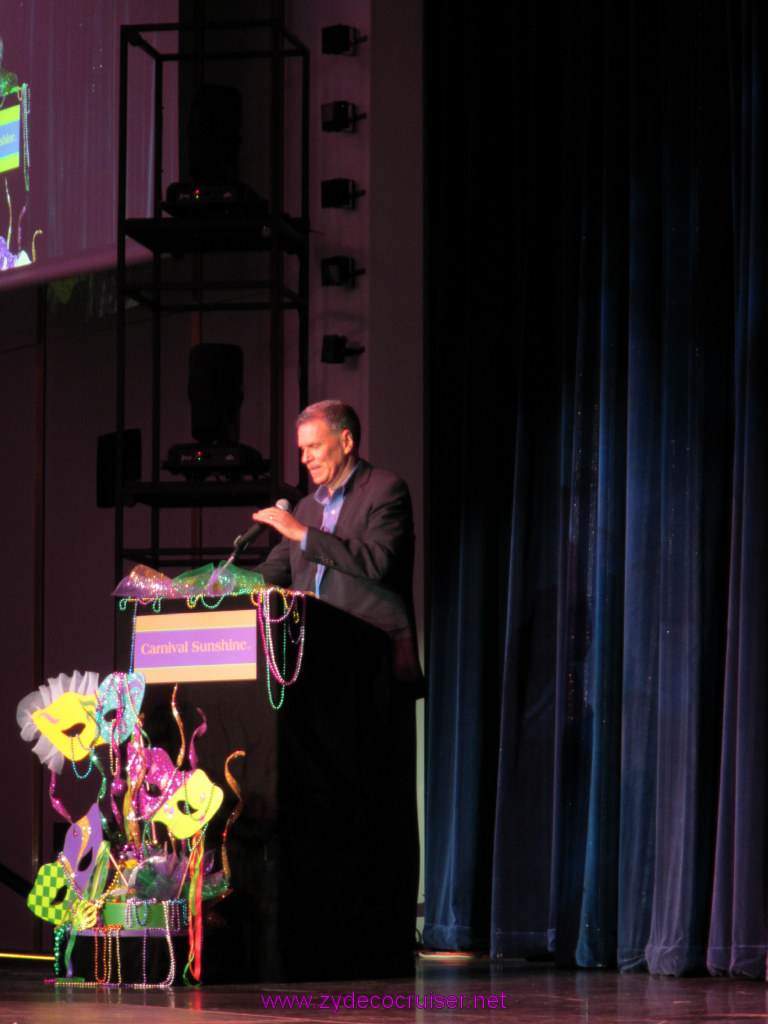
(339, 193)
(212, 188)
(339, 271)
(340, 116)
(214, 135)
(341, 39)
(336, 348)
(215, 392)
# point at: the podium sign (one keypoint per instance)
(217, 647)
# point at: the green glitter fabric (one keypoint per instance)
(145, 584)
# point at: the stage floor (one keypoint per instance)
(473, 991)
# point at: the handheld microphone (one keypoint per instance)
(220, 581)
(242, 542)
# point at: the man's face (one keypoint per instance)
(327, 456)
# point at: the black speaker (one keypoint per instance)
(106, 464)
(216, 392)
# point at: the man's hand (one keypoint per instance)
(282, 521)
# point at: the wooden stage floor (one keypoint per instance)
(470, 991)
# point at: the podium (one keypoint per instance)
(324, 854)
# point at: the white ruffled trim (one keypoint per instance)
(83, 683)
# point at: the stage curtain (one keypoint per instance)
(597, 422)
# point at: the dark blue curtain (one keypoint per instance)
(598, 430)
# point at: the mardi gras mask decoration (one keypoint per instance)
(81, 845)
(191, 806)
(50, 897)
(61, 716)
(80, 872)
(118, 706)
(182, 801)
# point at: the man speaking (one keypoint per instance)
(350, 744)
(351, 542)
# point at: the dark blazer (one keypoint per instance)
(368, 559)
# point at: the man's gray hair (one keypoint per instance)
(336, 415)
